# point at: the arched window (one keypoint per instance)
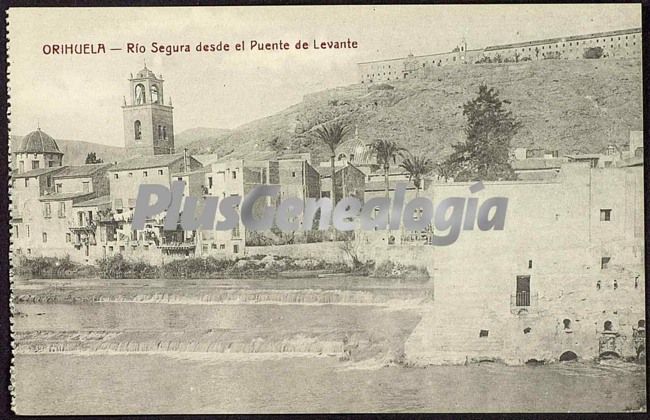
(567, 324)
(140, 94)
(164, 132)
(160, 132)
(154, 94)
(137, 129)
(607, 326)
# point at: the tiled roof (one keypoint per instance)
(63, 196)
(80, 171)
(38, 142)
(103, 200)
(143, 162)
(202, 170)
(585, 156)
(381, 185)
(37, 172)
(633, 161)
(206, 159)
(248, 155)
(532, 164)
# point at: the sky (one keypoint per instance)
(80, 96)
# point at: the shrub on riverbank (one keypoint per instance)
(196, 268)
(118, 267)
(51, 268)
(392, 269)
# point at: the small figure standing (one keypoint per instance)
(598, 285)
(615, 284)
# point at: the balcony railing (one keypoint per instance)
(523, 302)
(180, 246)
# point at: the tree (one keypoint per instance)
(386, 151)
(485, 153)
(417, 166)
(593, 52)
(332, 134)
(92, 158)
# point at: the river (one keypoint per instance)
(267, 345)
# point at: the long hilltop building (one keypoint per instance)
(621, 43)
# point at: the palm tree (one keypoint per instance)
(386, 151)
(417, 166)
(332, 134)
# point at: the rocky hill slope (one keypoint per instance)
(198, 134)
(568, 106)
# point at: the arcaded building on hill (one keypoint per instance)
(612, 44)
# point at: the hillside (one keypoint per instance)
(579, 105)
(76, 151)
(203, 134)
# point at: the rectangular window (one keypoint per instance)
(293, 174)
(234, 174)
(48, 181)
(27, 226)
(27, 182)
(59, 187)
(35, 164)
(605, 215)
(530, 263)
(222, 246)
(68, 237)
(161, 172)
(209, 182)
(21, 166)
(44, 237)
(85, 186)
(235, 249)
(47, 210)
(118, 203)
(61, 209)
(145, 173)
(604, 262)
(116, 176)
(16, 231)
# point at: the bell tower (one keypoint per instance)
(148, 122)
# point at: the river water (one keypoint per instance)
(269, 345)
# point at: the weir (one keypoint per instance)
(295, 296)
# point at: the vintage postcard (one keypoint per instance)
(327, 209)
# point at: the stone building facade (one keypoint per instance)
(612, 44)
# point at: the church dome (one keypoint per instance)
(355, 151)
(38, 142)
